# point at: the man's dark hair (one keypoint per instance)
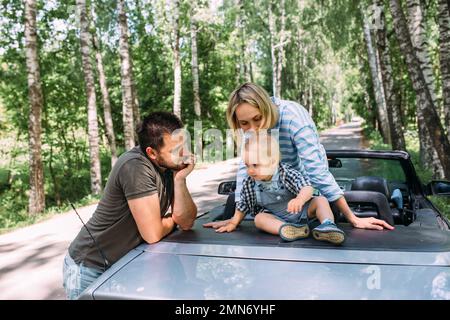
(152, 128)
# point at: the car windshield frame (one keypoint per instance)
(411, 178)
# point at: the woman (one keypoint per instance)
(251, 108)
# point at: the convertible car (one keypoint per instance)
(410, 262)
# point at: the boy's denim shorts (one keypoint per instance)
(297, 218)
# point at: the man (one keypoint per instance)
(143, 183)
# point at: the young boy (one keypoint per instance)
(280, 197)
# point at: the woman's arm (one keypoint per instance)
(304, 135)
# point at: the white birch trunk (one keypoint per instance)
(177, 58)
(444, 58)
(126, 79)
(194, 62)
(94, 150)
(36, 202)
(109, 127)
(377, 86)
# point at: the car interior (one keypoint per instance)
(418, 226)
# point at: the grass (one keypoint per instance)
(412, 145)
(73, 184)
(22, 219)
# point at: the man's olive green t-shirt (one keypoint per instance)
(112, 224)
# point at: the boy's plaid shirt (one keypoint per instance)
(291, 178)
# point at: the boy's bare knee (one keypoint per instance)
(257, 220)
(320, 200)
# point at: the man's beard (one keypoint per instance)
(163, 163)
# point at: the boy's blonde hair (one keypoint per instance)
(256, 96)
(264, 147)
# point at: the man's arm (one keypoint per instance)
(184, 210)
(146, 213)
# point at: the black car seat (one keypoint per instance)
(376, 184)
(368, 183)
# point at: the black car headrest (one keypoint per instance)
(367, 183)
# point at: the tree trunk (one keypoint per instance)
(177, 58)
(280, 59)
(36, 202)
(273, 40)
(419, 40)
(310, 105)
(94, 150)
(239, 40)
(444, 58)
(126, 79)
(420, 44)
(391, 94)
(141, 32)
(194, 61)
(377, 86)
(426, 110)
(109, 127)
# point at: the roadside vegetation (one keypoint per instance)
(375, 142)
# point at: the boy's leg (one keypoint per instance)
(320, 209)
(268, 223)
(274, 225)
(327, 230)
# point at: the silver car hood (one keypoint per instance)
(170, 270)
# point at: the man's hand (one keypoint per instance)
(295, 205)
(371, 223)
(183, 173)
(229, 227)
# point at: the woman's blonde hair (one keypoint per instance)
(256, 96)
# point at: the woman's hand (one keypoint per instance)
(229, 227)
(371, 223)
(295, 205)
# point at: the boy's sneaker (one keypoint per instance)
(293, 231)
(328, 231)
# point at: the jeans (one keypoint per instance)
(77, 277)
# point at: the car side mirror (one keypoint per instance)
(438, 188)
(334, 163)
(227, 187)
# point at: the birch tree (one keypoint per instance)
(194, 62)
(416, 27)
(391, 95)
(176, 57)
(128, 97)
(279, 46)
(36, 202)
(273, 40)
(94, 150)
(109, 127)
(426, 110)
(444, 58)
(377, 86)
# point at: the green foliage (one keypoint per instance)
(412, 145)
(325, 69)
